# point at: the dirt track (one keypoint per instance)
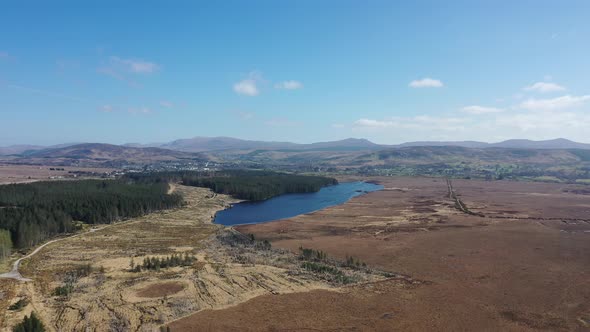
(15, 274)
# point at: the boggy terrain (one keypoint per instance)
(518, 261)
(87, 283)
(469, 255)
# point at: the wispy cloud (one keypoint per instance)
(46, 93)
(166, 104)
(245, 115)
(544, 87)
(281, 122)
(242, 115)
(5, 56)
(64, 65)
(532, 124)
(337, 125)
(106, 108)
(555, 123)
(476, 109)
(553, 104)
(139, 110)
(124, 69)
(289, 85)
(370, 123)
(136, 66)
(426, 83)
(416, 122)
(117, 75)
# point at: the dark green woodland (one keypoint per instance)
(36, 211)
(243, 184)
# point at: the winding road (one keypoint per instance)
(15, 274)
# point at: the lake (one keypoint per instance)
(290, 205)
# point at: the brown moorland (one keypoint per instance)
(523, 264)
(161, 289)
(27, 173)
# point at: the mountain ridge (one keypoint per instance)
(220, 143)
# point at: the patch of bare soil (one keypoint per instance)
(160, 289)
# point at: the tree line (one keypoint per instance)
(155, 263)
(243, 184)
(36, 211)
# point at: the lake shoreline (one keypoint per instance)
(292, 204)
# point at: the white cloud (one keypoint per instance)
(426, 83)
(544, 87)
(136, 66)
(476, 109)
(370, 123)
(559, 103)
(247, 87)
(289, 85)
(166, 104)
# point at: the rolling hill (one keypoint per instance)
(200, 144)
(103, 155)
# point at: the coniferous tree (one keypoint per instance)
(30, 324)
(35, 211)
(5, 243)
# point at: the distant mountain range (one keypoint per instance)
(349, 152)
(212, 144)
(201, 144)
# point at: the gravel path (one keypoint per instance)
(15, 274)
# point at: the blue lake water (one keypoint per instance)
(290, 205)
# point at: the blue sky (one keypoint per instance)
(302, 71)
